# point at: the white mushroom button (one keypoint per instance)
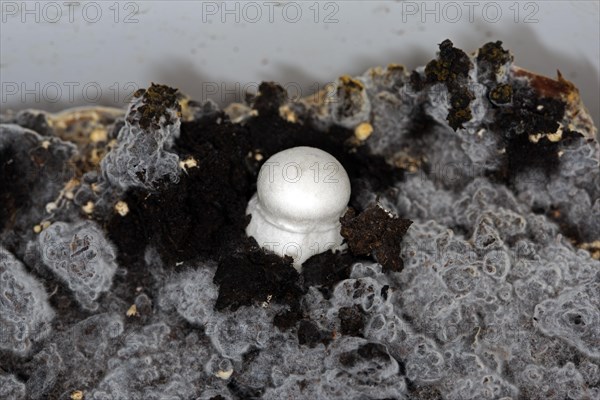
(301, 194)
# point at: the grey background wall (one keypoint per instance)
(62, 54)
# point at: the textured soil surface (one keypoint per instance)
(471, 269)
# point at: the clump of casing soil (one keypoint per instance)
(471, 269)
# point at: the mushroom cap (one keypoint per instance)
(303, 185)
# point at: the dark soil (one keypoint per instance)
(203, 216)
(376, 232)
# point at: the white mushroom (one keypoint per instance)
(301, 194)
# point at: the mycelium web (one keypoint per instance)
(471, 269)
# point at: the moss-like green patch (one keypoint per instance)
(157, 100)
(490, 59)
(452, 68)
(501, 94)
